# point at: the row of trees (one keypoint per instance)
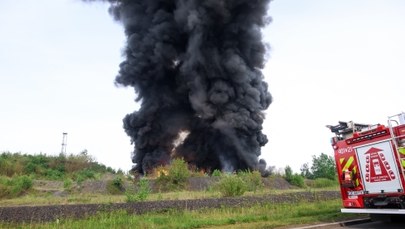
(323, 166)
(322, 171)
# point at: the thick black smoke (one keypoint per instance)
(196, 68)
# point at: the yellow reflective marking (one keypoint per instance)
(341, 160)
(401, 150)
(349, 162)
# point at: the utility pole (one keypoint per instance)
(64, 143)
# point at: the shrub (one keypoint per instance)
(176, 176)
(6, 165)
(294, 179)
(253, 180)
(84, 174)
(67, 184)
(142, 192)
(23, 182)
(164, 183)
(30, 168)
(178, 171)
(5, 191)
(231, 185)
(54, 174)
(297, 180)
(117, 182)
(130, 197)
(216, 173)
(9, 165)
(58, 163)
(115, 186)
(13, 187)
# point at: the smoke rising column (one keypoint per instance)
(195, 66)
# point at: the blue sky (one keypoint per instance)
(329, 61)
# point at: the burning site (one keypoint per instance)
(195, 67)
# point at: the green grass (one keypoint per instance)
(258, 216)
(322, 183)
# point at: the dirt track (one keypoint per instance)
(50, 213)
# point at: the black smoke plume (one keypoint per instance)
(196, 69)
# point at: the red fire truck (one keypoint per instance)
(370, 161)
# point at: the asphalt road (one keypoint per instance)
(377, 225)
(362, 224)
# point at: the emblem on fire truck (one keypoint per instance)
(377, 168)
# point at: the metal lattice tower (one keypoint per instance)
(64, 143)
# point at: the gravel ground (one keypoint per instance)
(51, 213)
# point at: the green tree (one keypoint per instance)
(306, 171)
(323, 166)
(288, 173)
(293, 178)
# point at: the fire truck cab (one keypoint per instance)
(370, 161)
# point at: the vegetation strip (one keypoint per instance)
(265, 215)
(51, 213)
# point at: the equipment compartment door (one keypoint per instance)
(379, 170)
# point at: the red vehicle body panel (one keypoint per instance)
(374, 161)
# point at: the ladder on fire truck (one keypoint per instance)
(398, 137)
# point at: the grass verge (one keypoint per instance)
(258, 216)
(88, 198)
